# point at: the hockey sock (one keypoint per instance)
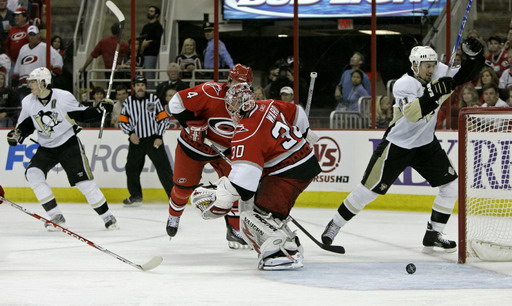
(438, 220)
(92, 193)
(37, 182)
(176, 209)
(51, 208)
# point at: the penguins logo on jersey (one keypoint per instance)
(47, 121)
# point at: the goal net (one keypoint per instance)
(485, 192)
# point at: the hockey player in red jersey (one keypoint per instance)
(272, 163)
(202, 113)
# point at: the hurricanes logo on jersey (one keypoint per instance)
(222, 126)
(29, 59)
(19, 36)
(215, 87)
(47, 121)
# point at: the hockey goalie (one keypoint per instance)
(272, 163)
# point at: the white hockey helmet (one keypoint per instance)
(421, 54)
(239, 101)
(41, 74)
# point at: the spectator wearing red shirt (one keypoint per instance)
(17, 37)
(106, 47)
(497, 58)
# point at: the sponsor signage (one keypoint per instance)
(272, 9)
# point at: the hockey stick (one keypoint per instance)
(120, 17)
(461, 31)
(330, 248)
(313, 76)
(151, 264)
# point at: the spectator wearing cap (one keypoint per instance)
(497, 58)
(225, 59)
(17, 36)
(106, 47)
(286, 94)
(6, 20)
(151, 36)
(32, 56)
(145, 121)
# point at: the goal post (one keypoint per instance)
(485, 192)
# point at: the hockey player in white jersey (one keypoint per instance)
(410, 142)
(52, 113)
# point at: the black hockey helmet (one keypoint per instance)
(139, 79)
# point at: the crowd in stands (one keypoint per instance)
(20, 36)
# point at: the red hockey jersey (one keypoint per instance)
(268, 142)
(206, 101)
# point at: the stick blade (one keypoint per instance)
(152, 263)
(115, 10)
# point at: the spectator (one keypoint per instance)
(106, 47)
(188, 60)
(351, 102)
(491, 97)
(488, 76)
(287, 94)
(468, 97)
(497, 57)
(507, 44)
(225, 59)
(282, 75)
(169, 93)
(344, 87)
(32, 56)
(259, 93)
(383, 112)
(151, 36)
(5, 63)
(121, 96)
(57, 44)
(145, 121)
(509, 101)
(8, 101)
(506, 76)
(17, 36)
(98, 94)
(6, 20)
(173, 72)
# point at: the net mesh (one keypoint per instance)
(488, 185)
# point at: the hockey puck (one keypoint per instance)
(410, 268)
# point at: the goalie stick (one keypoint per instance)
(120, 17)
(313, 76)
(331, 248)
(151, 264)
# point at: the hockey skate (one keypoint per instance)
(132, 202)
(235, 240)
(331, 230)
(172, 225)
(59, 220)
(433, 239)
(111, 223)
(282, 260)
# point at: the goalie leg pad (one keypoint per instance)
(37, 181)
(272, 239)
(91, 192)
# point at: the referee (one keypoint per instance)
(144, 119)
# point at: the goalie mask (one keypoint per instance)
(239, 100)
(39, 75)
(421, 54)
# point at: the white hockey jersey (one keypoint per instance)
(51, 121)
(407, 134)
(30, 59)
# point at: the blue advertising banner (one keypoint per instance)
(271, 9)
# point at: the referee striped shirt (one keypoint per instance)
(143, 116)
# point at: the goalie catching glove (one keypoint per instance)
(215, 201)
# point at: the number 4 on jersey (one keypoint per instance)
(191, 94)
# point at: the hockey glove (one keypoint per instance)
(433, 92)
(472, 47)
(14, 137)
(2, 194)
(106, 104)
(215, 201)
(197, 130)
